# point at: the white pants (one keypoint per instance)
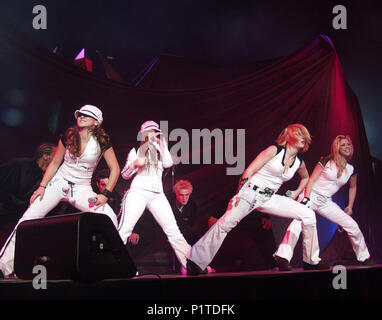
(331, 211)
(57, 190)
(135, 202)
(206, 248)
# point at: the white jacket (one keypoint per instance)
(147, 177)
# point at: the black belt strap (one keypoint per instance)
(71, 184)
(266, 191)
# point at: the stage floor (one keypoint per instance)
(355, 282)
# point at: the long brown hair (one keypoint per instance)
(73, 142)
(335, 156)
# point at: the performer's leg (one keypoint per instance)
(81, 202)
(162, 212)
(133, 205)
(38, 209)
(334, 213)
(287, 245)
(206, 248)
(288, 208)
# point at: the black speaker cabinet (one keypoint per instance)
(82, 246)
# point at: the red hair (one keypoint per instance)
(289, 135)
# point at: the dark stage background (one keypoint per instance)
(258, 81)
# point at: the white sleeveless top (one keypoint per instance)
(272, 174)
(79, 170)
(327, 183)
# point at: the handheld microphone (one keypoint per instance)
(92, 201)
(288, 193)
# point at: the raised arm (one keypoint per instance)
(131, 165)
(165, 153)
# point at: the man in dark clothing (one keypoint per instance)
(19, 179)
(186, 216)
(184, 209)
(185, 213)
(101, 181)
(256, 226)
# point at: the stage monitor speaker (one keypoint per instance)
(82, 246)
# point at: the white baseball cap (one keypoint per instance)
(91, 111)
(150, 125)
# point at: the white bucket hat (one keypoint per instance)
(150, 125)
(91, 111)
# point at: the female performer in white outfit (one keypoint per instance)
(257, 188)
(146, 190)
(68, 177)
(329, 175)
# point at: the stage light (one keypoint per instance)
(83, 62)
(12, 117)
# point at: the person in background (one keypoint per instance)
(185, 211)
(115, 199)
(258, 228)
(101, 182)
(19, 179)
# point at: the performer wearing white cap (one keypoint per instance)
(146, 190)
(329, 175)
(79, 150)
(257, 188)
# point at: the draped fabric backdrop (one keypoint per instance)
(39, 92)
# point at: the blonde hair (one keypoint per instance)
(183, 185)
(288, 135)
(335, 156)
(149, 151)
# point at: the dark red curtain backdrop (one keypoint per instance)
(307, 86)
